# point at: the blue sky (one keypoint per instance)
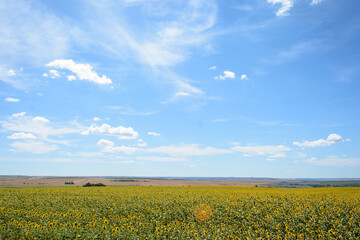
(260, 88)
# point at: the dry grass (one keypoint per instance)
(79, 181)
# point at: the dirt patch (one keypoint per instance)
(79, 181)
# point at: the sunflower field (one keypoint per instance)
(179, 213)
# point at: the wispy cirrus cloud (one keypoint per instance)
(30, 35)
(35, 147)
(188, 150)
(286, 5)
(109, 146)
(35, 135)
(21, 135)
(166, 44)
(38, 126)
(130, 111)
(295, 51)
(153, 134)
(274, 151)
(334, 161)
(315, 2)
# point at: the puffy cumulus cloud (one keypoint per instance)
(35, 147)
(21, 135)
(105, 129)
(243, 77)
(286, 5)
(334, 138)
(38, 126)
(109, 146)
(274, 150)
(334, 161)
(9, 99)
(41, 119)
(153, 134)
(96, 119)
(331, 139)
(82, 71)
(188, 150)
(227, 74)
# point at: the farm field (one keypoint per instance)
(192, 212)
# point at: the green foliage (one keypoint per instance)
(170, 213)
(94, 185)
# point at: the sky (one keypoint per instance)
(198, 88)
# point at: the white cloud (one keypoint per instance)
(45, 75)
(244, 77)
(162, 159)
(286, 5)
(275, 156)
(334, 138)
(295, 51)
(9, 99)
(180, 83)
(105, 129)
(41, 119)
(188, 150)
(186, 25)
(334, 161)
(54, 73)
(274, 150)
(11, 73)
(141, 143)
(227, 74)
(331, 139)
(18, 115)
(96, 119)
(21, 135)
(314, 2)
(182, 94)
(71, 77)
(105, 143)
(129, 111)
(212, 68)
(31, 34)
(82, 71)
(109, 146)
(35, 147)
(39, 126)
(153, 134)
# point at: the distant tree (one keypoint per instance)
(94, 185)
